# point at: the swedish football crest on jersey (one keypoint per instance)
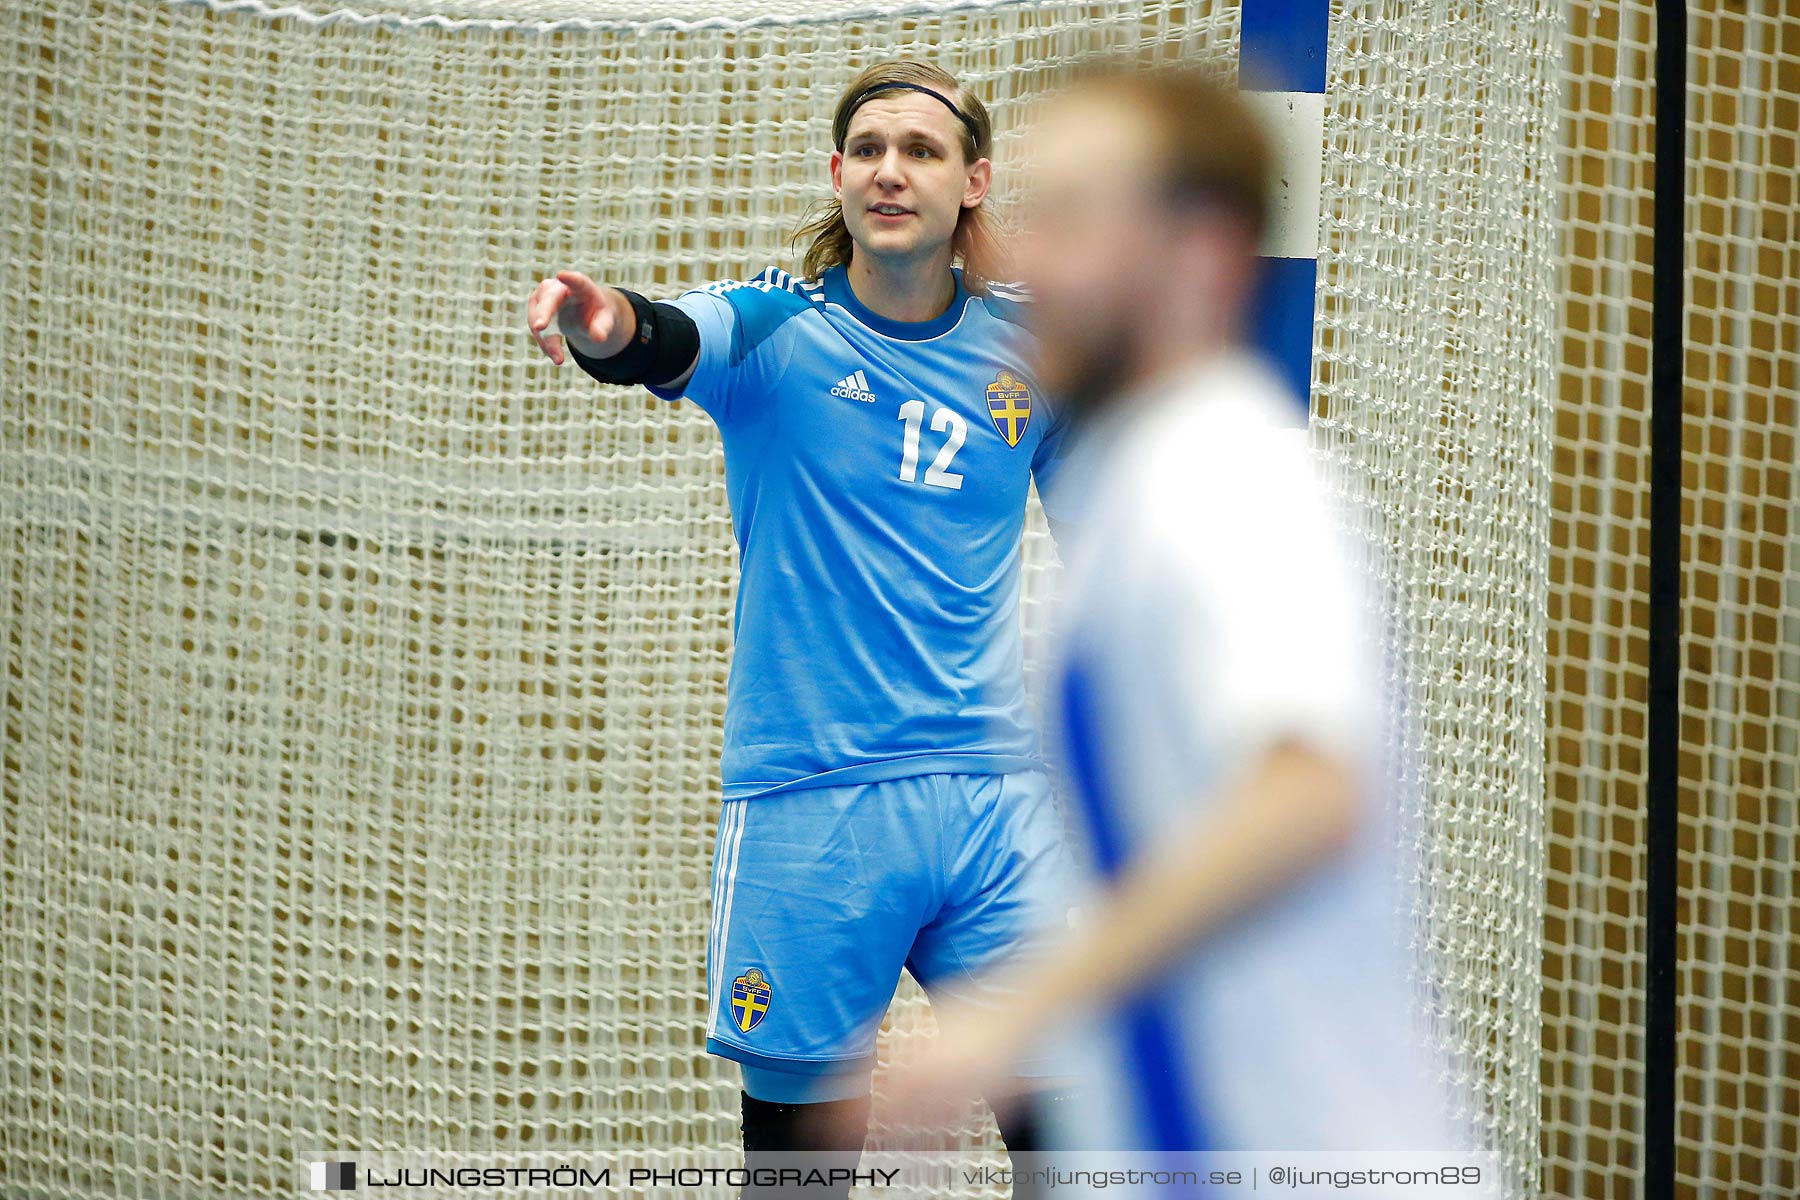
(1009, 404)
(750, 995)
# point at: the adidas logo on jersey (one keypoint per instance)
(854, 387)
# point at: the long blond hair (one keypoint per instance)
(977, 242)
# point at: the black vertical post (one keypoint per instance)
(1663, 728)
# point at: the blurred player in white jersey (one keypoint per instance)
(1235, 981)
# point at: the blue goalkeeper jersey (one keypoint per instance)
(877, 472)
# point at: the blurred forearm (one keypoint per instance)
(1294, 809)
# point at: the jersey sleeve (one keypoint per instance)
(1265, 624)
(746, 342)
(1046, 470)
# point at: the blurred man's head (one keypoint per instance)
(1147, 201)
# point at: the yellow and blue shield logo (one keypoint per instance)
(750, 993)
(1009, 404)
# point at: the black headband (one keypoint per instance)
(862, 97)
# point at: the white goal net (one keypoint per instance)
(363, 674)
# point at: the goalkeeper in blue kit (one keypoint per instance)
(885, 803)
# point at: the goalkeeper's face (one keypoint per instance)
(902, 178)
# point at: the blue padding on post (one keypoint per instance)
(1281, 323)
(1281, 46)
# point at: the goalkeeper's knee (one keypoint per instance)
(802, 1151)
(826, 1125)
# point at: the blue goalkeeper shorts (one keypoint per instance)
(821, 895)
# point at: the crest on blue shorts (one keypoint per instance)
(750, 993)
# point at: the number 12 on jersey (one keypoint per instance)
(938, 473)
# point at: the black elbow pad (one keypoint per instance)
(663, 348)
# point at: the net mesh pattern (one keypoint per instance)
(364, 676)
(1433, 363)
(1737, 1132)
(1598, 649)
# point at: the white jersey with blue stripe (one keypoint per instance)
(1209, 611)
(877, 472)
